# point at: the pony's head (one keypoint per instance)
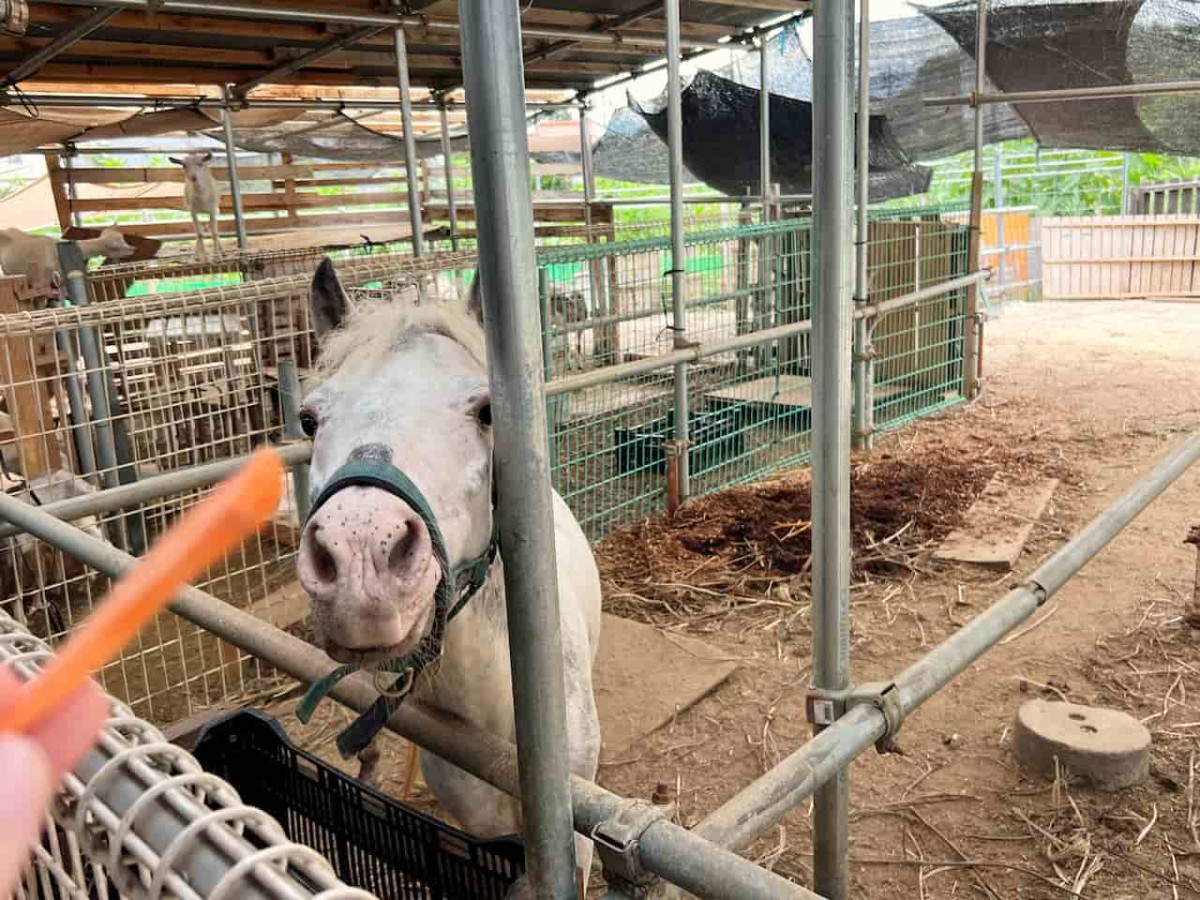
(406, 385)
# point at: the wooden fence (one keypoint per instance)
(1121, 257)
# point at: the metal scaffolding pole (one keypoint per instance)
(235, 183)
(678, 251)
(160, 103)
(764, 126)
(863, 427)
(972, 349)
(491, 53)
(833, 119)
(998, 205)
(1104, 92)
(410, 144)
(448, 159)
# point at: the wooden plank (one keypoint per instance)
(28, 397)
(251, 202)
(998, 524)
(58, 187)
(645, 677)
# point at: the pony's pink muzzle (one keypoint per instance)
(366, 560)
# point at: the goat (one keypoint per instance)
(36, 256)
(201, 195)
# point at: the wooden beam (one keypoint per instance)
(28, 398)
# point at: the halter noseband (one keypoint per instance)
(455, 587)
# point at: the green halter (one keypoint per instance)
(455, 587)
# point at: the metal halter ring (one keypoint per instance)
(405, 682)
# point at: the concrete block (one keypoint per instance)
(1110, 748)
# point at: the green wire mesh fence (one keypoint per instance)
(749, 410)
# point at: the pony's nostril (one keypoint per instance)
(323, 562)
(400, 556)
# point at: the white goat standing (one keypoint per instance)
(36, 256)
(202, 196)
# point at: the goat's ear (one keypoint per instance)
(208, 156)
(475, 300)
(327, 299)
(176, 160)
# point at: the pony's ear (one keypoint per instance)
(327, 299)
(475, 300)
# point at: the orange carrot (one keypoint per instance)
(201, 537)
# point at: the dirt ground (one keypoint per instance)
(1093, 394)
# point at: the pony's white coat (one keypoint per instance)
(36, 256)
(202, 196)
(412, 379)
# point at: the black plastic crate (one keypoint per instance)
(716, 437)
(374, 842)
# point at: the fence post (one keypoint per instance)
(678, 251)
(410, 145)
(998, 192)
(492, 57)
(448, 158)
(113, 451)
(289, 402)
(235, 182)
(972, 350)
(833, 118)
(863, 428)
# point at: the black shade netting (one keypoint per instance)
(1087, 43)
(721, 127)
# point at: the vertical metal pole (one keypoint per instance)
(764, 126)
(68, 157)
(410, 144)
(78, 412)
(833, 117)
(235, 182)
(1126, 205)
(974, 327)
(998, 196)
(604, 342)
(863, 427)
(448, 157)
(289, 400)
(678, 252)
(492, 59)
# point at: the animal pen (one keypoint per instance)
(714, 355)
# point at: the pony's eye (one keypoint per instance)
(308, 423)
(483, 415)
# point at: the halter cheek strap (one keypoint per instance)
(455, 587)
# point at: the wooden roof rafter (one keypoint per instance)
(570, 44)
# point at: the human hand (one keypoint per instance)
(33, 764)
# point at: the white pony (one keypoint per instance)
(202, 196)
(408, 385)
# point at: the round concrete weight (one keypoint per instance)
(1109, 747)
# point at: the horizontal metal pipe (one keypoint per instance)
(179, 102)
(609, 374)
(155, 487)
(271, 13)
(765, 802)
(665, 849)
(1104, 92)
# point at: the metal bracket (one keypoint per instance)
(823, 708)
(616, 840)
(867, 355)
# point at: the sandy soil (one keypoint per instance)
(1093, 394)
